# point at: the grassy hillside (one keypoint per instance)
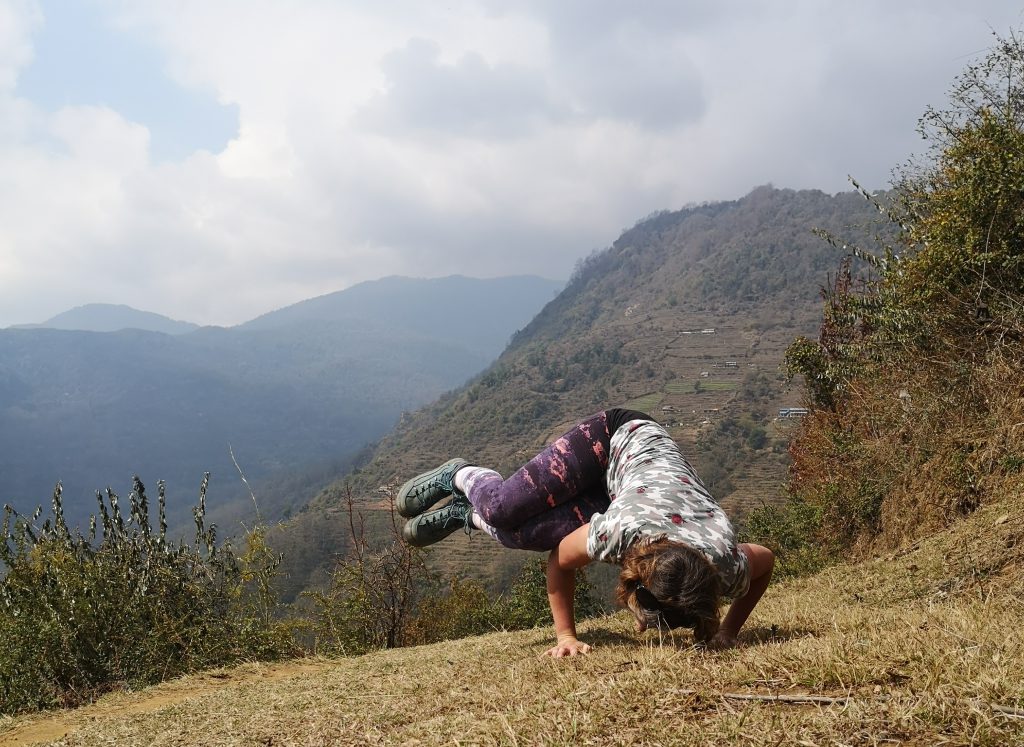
(920, 646)
(687, 316)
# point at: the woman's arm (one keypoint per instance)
(762, 562)
(570, 554)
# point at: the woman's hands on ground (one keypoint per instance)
(722, 640)
(568, 647)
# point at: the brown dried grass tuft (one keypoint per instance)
(967, 450)
(909, 452)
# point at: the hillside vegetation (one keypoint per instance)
(901, 649)
(915, 379)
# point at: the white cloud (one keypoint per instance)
(18, 18)
(469, 98)
(430, 138)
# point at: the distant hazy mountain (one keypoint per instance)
(106, 317)
(303, 386)
(461, 310)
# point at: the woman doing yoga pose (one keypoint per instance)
(614, 488)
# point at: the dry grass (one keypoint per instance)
(923, 646)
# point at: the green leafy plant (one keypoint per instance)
(793, 530)
(526, 604)
(122, 605)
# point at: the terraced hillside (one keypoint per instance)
(687, 316)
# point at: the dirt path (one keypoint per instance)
(53, 725)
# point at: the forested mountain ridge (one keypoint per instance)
(686, 316)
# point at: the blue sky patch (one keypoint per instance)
(81, 59)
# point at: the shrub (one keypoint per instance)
(458, 609)
(793, 532)
(526, 605)
(83, 614)
(914, 379)
(463, 608)
(386, 597)
(374, 592)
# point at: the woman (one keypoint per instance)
(614, 488)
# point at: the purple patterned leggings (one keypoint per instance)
(551, 495)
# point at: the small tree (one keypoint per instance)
(374, 592)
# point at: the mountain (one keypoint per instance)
(426, 307)
(294, 401)
(686, 316)
(105, 317)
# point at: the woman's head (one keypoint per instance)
(669, 584)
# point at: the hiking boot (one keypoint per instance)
(434, 526)
(423, 491)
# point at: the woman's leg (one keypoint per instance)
(574, 465)
(545, 530)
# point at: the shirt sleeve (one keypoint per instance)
(605, 538)
(735, 574)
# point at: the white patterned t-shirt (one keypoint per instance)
(656, 494)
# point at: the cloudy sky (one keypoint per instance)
(214, 159)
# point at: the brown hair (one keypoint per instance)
(685, 587)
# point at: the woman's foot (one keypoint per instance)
(434, 526)
(423, 491)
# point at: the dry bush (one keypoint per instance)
(373, 592)
(914, 379)
(896, 468)
(386, 596)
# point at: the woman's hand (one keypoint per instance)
(563, 561)
(762, 562)
(567, 647)
(722, 640)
